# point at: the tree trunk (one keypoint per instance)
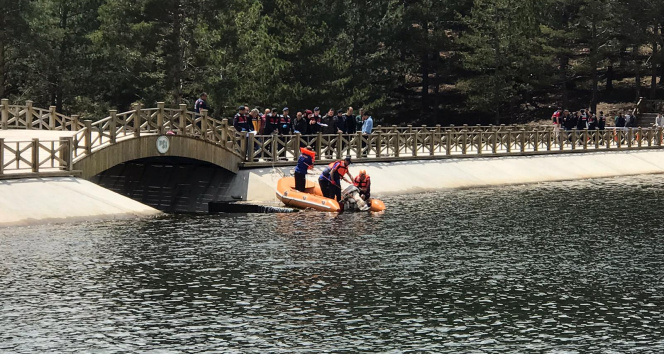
(436, 98)
(178, 48)
(3, 34)
(609, 77)
(593, 66)
(564, 63)
(637, 71)
(655, 62)
(2, 64)
(425, 69)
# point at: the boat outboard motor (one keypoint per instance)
(352, 200)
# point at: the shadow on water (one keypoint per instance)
(569, 266)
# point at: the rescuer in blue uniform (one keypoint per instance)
(304, 163)
(330, 179)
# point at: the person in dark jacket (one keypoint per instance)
(601, 121)
(300, 125)
(330, 179)
(201, 103)
(341, 122)
(314, 122)
(285, 124)
(349, 120)
(241, 121)
(271, 122)
(329, 122)
(304, 163)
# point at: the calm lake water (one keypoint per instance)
(557, 267)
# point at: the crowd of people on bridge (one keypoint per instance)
(586, 119)
(306, 122)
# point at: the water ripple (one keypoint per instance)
(569, 267)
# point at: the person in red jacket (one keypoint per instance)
(363, 182)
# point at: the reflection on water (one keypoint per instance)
(570, 267)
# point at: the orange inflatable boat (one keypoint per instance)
(313, 197)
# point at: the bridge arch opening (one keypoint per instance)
(171, 184)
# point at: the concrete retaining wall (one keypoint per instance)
(421, 176)
(63, 199)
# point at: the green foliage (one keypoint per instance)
(416, 61)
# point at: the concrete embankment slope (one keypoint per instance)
(44, 200)
(422, 176)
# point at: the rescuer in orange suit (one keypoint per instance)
(363, 182)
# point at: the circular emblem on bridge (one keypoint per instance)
(163, 144)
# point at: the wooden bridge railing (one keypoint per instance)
(35, 156)
(385, 143)
(441, 143)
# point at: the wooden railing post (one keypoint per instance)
(74, 123)
(464, 141)
(432, 142)
(29, 113)
(379, 143)
(2, 155)
(639, 136)
(183, 119)
(585, 138)
(243, 146)
(296, 145)
(480, 135)
(574, 139)
(273, 147)
(448, 142)
(112, 127)
(88, 136)
(4, 120)
(658, 136)
(224, 131)
(35, 155)
(340, 151)
(523, 139)
(414, 135)
(66, 145)
(630, 135)
(160, 117)
(397, 143)
(358, 148)
(319, 145)
(251, 146)
(509, 141)
(137, 120)
(204, 123)
(51, 118)
(494, 142)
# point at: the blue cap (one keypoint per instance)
(317, 109)
(285, 109)
(240, 108)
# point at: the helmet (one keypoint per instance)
(347, 159)
(363, 172)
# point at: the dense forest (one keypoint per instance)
(416, 61)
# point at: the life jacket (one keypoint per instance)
(284, 119)
(362, 184)
(309, 153)
(340, 166)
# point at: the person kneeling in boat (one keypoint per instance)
(363, 182)
(304, 163)
(330, 179)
